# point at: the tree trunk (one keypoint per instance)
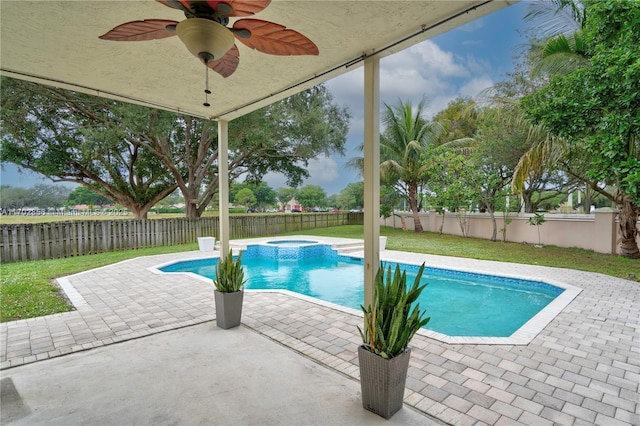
(139, 212)
(197, 197)
(137, 209)
(191, 195)
(529, 206)
(413, 205)
(587, 200)
(191, 212)
(628, 228)
(494, 233)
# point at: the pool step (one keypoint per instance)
(236, 247)
(346, 248)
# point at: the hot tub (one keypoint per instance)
(288, 250)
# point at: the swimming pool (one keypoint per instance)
(459, 303)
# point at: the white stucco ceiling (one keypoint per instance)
(56, 42)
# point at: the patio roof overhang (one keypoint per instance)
(56, 43)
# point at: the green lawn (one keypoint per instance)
(26, 288)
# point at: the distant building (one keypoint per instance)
(291, 206)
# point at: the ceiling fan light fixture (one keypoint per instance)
(205, 39)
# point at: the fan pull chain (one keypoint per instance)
(207, 92)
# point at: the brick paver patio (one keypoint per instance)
(582, 368)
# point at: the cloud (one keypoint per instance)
(275, 180)
(423, 70)
(476, 86)
(432, 60)
(347, 87)
(324, 169)
(477, 65)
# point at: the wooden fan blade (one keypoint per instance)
(182, 5)
(226, 65)
(275, 39)
(149, 29)
(241, 7)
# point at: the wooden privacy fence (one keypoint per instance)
(34, 241)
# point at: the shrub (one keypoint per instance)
(390, 323)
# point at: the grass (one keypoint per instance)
(26, 288)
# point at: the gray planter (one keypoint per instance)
(228, 308)
(382, 381)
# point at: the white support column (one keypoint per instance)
(371, 175)
(223, 186)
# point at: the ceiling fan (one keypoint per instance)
(206, 35)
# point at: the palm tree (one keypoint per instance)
(406, 136)
(404, 144)
(564, 49)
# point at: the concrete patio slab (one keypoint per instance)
(199, 375)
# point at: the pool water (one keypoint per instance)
(459, 303)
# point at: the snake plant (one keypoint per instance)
(389, 321)
(229, 274)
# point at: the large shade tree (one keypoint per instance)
(265, 195)
(448, 174)
(310, 196)
(72, 137)
(285, 194)
(352, 196)
(502, 138)
(136, 156)
(597, 108)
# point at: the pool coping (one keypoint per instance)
(522, 336)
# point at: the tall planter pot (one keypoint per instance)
(382, 381)
(228, 308)
(383, 243)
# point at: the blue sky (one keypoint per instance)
(462, 62)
